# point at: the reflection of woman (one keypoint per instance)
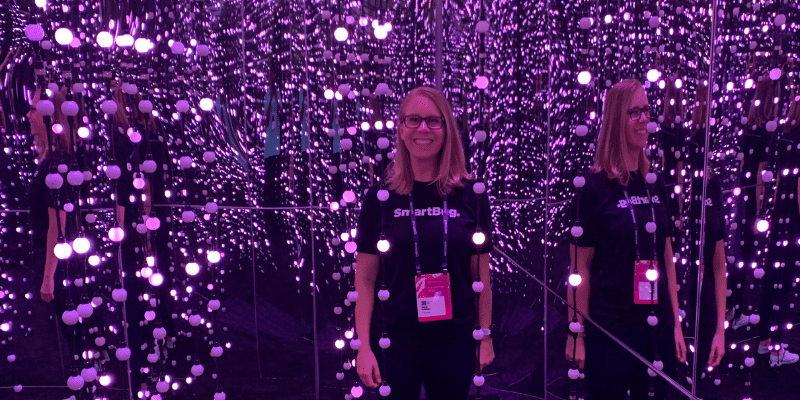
(711, 334)
(754, 146)
(783, 253)
(429, 189)
(615, 250)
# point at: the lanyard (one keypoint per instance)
(635, 226)
(416, 235)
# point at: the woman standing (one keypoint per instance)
(429, 217)
(625, 243)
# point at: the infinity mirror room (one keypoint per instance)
(228, 199)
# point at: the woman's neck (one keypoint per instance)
(423, 170)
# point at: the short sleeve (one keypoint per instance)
(368, 229)
(582, 213)
(486, 224)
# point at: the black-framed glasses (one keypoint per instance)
(636, 112)
(414, 121)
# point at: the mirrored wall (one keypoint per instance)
(242, 180)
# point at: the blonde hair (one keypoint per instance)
(766, 91)
(451, 166)
(613, 142)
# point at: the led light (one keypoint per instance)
(575, 279)
(383, 245)
(192, 268)
(339, 344)
(213, 256)
(64, 36)
(81, 245)
(105, 380)
(328, 94)
(651, 274)
(94, 260)
(762, 225)
(478, 238)
(143, 45)
(584, 77)
(206, 104)
(156, 279)
(341, 34)
(653, 75)
(84, 132)
(105, 40)
(146, 272)
(125, 40)
(116, 234)
(62, 251)
(381, 32)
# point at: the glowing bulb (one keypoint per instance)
(748, 84)
(651, 274)
(339, 344)
(192, 268)
(678, 83)
(94, 260)
(213, 256)
(156, 279)
(64, 36)
(653, 75)
(147, 272)
(81, 245)
(328, 94)
(478, 238)
(125, 40)
(104, 39)
(116, 234)
(206, 104)
(762, 225)
(105, 380)
(575, 279)
(341, 34)
(383, 245)
(365, 126)
(381, 32)
(143, 45)
(84, 132)
(584, 77)
(62, 251)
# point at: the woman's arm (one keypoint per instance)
(720, 283)
(367, 266)
(484, 305)
(680, 344)
(582, 258)
(51, 262)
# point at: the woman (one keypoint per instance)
(613, 253)
(428, 188)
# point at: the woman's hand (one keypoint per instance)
(486, 353)
(717, 349)
(680, 345)
(580, 351)
(367, 368)
(47, 289)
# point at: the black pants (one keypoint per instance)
(611, 371)
(446, 371)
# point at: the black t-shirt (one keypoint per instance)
(608, 227)
(399, 313)
(714, 231)
(673, 143)
(41, 198)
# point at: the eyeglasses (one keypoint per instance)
(413, 121)
(636, 113)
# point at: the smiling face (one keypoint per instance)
(636, 130)
(422, 142)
